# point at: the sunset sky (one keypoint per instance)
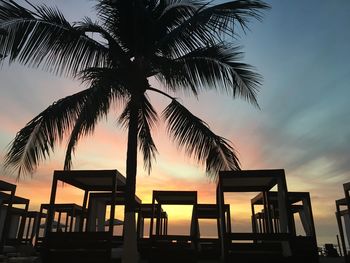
(302, 50)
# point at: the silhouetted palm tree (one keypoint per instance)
(185, 44)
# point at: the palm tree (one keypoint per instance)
(185, 44)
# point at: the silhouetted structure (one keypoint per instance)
(32, 224)
(5, 187)
(173, 247)
(343, 212)
(13, 215)
(77, 233)
(18, 214)
(209, 247)
(73, 217)
(271, 247)
(145, 212)
(299, 203)
(82, 246)
(96, 214)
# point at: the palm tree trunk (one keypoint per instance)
(130, 253)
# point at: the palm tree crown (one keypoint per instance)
(179, 42)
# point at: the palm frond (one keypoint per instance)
(37, 139)
(103, 77)
(3, 34)
(170, 42)
(199, 141)
(172, 74)
(208, 24)
(214, 67)
(96, 106)
(147, 118)
(44, 37)
(171, 14)
(117, 53)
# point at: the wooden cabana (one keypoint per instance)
(14, 209)
(174, 248)
(32, 223)
(209, 247)
(82, 246)
(67, 218)
(304, 210)
(255, 246)
(96, 214)
(10, 189)
(145, 212)
(343, 219)
(299, 203)
(160, 198)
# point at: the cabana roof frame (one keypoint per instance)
(175, 197)
(119, 197)
(5, 186)
(341, 202)
(63, 208)
(92, 180)
(293, 197)
(210, 211)
(15, 200)
(249, 180)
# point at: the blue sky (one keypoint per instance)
(302, 50)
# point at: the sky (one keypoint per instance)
(301, 48)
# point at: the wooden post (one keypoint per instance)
(86, 193)
(70, 223)
(138, 228)
(339, 246)
(221, 203)
(267, 214)
(160, 224)
(37, 230)
(254, 227)
(114, 190)
(347, 198)
(5, 230)
(159, 209)
(59, 221)
(28, 228)
(166, 229)
(286, 223)
(341, 230)
(228, 219)
(36, 225)
(152, 217)
(23, 222)
(50, 211)
(195, 235)
(284, 211)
